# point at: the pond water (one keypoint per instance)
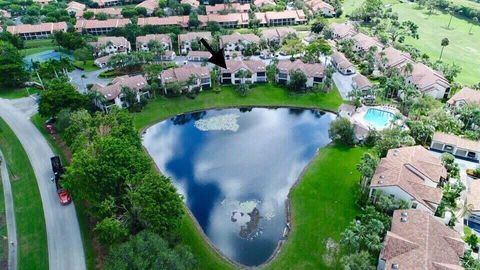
(235, 167)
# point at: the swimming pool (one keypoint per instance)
(379, 119)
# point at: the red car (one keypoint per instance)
(64, 197)
(51, 129)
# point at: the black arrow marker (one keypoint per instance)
(218, 58)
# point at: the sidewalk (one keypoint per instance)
(10, 215)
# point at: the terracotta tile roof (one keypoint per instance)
(362, 82)
(113, 90)
(261, 3)
(237, 7)
(5, 13)
(424, 77)
(457, 141)
(341, 61)
(239, 18)
(171, 20)
(394, 57)
(150, 5)
(76, 6)
(468, 95)
(104, 59)
(414, 170)
(317, 5)
(183, 73)
(310, 70)
(194, 35)
(34, 28)
(114, 12)
(366, 42)
(277, 33)
(342, 30)
(237, 38)
(193, 3)
(162, 38)
(117, 41)
(298, 15)
(417, 240)
(93, 24)
(253, 66)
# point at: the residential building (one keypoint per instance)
(232, 20)
(227, 8)
(109, 11)
(313, 72)
(466, 96)
(96, 27)
(342, 64)
(286, 17)
(277, 34)
(237, 41)
(361, 83)
(412, 174)
(167, 56)
(112, 93)
(149, 5)
(255, 71)
(37, 31)
(262, 3)
(198, 56)
(428, 81)
(102, 62)
(417, 240)
(184, 73)
(458, 146)
(5, 14)
(185, 40)
(181, 21)
(76, 8)
(142, 42)
(192, 3)
(321, 7)
(473, 199)
(363, 43)
(109, 3)
(342, 30)
(111, 45)
(393, 58)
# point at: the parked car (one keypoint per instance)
(58, 170)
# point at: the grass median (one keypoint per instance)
(31, 232)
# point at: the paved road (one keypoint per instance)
(89, 78)
(65, 248)
(10, 215)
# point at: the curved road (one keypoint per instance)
(65, 248)
(9, 214)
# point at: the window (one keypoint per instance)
(414, 205)
(260, 74)
(282, 76)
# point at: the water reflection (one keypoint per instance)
(235, 168)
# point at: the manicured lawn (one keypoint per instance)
(3, 229)
(323, 203)
(89, 66)
(31, 233)
(266, 95)
(17, 93)
(464, 49)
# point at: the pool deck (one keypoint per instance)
(359, 116)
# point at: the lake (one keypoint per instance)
(235, 168)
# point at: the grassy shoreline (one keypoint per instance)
(318, 213)
(31, 231)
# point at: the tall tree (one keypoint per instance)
(445, 42)
(12, 71)
(60, 95)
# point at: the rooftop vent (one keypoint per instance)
(380, 181)
(395, 266)
(382, 176)
(404, 214)
(403, 219)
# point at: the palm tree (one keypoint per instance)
(192, 81)
(408, 69)
(451, 17)
(466, 210)
(445, 42)
(243, 74)
(472, 23)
